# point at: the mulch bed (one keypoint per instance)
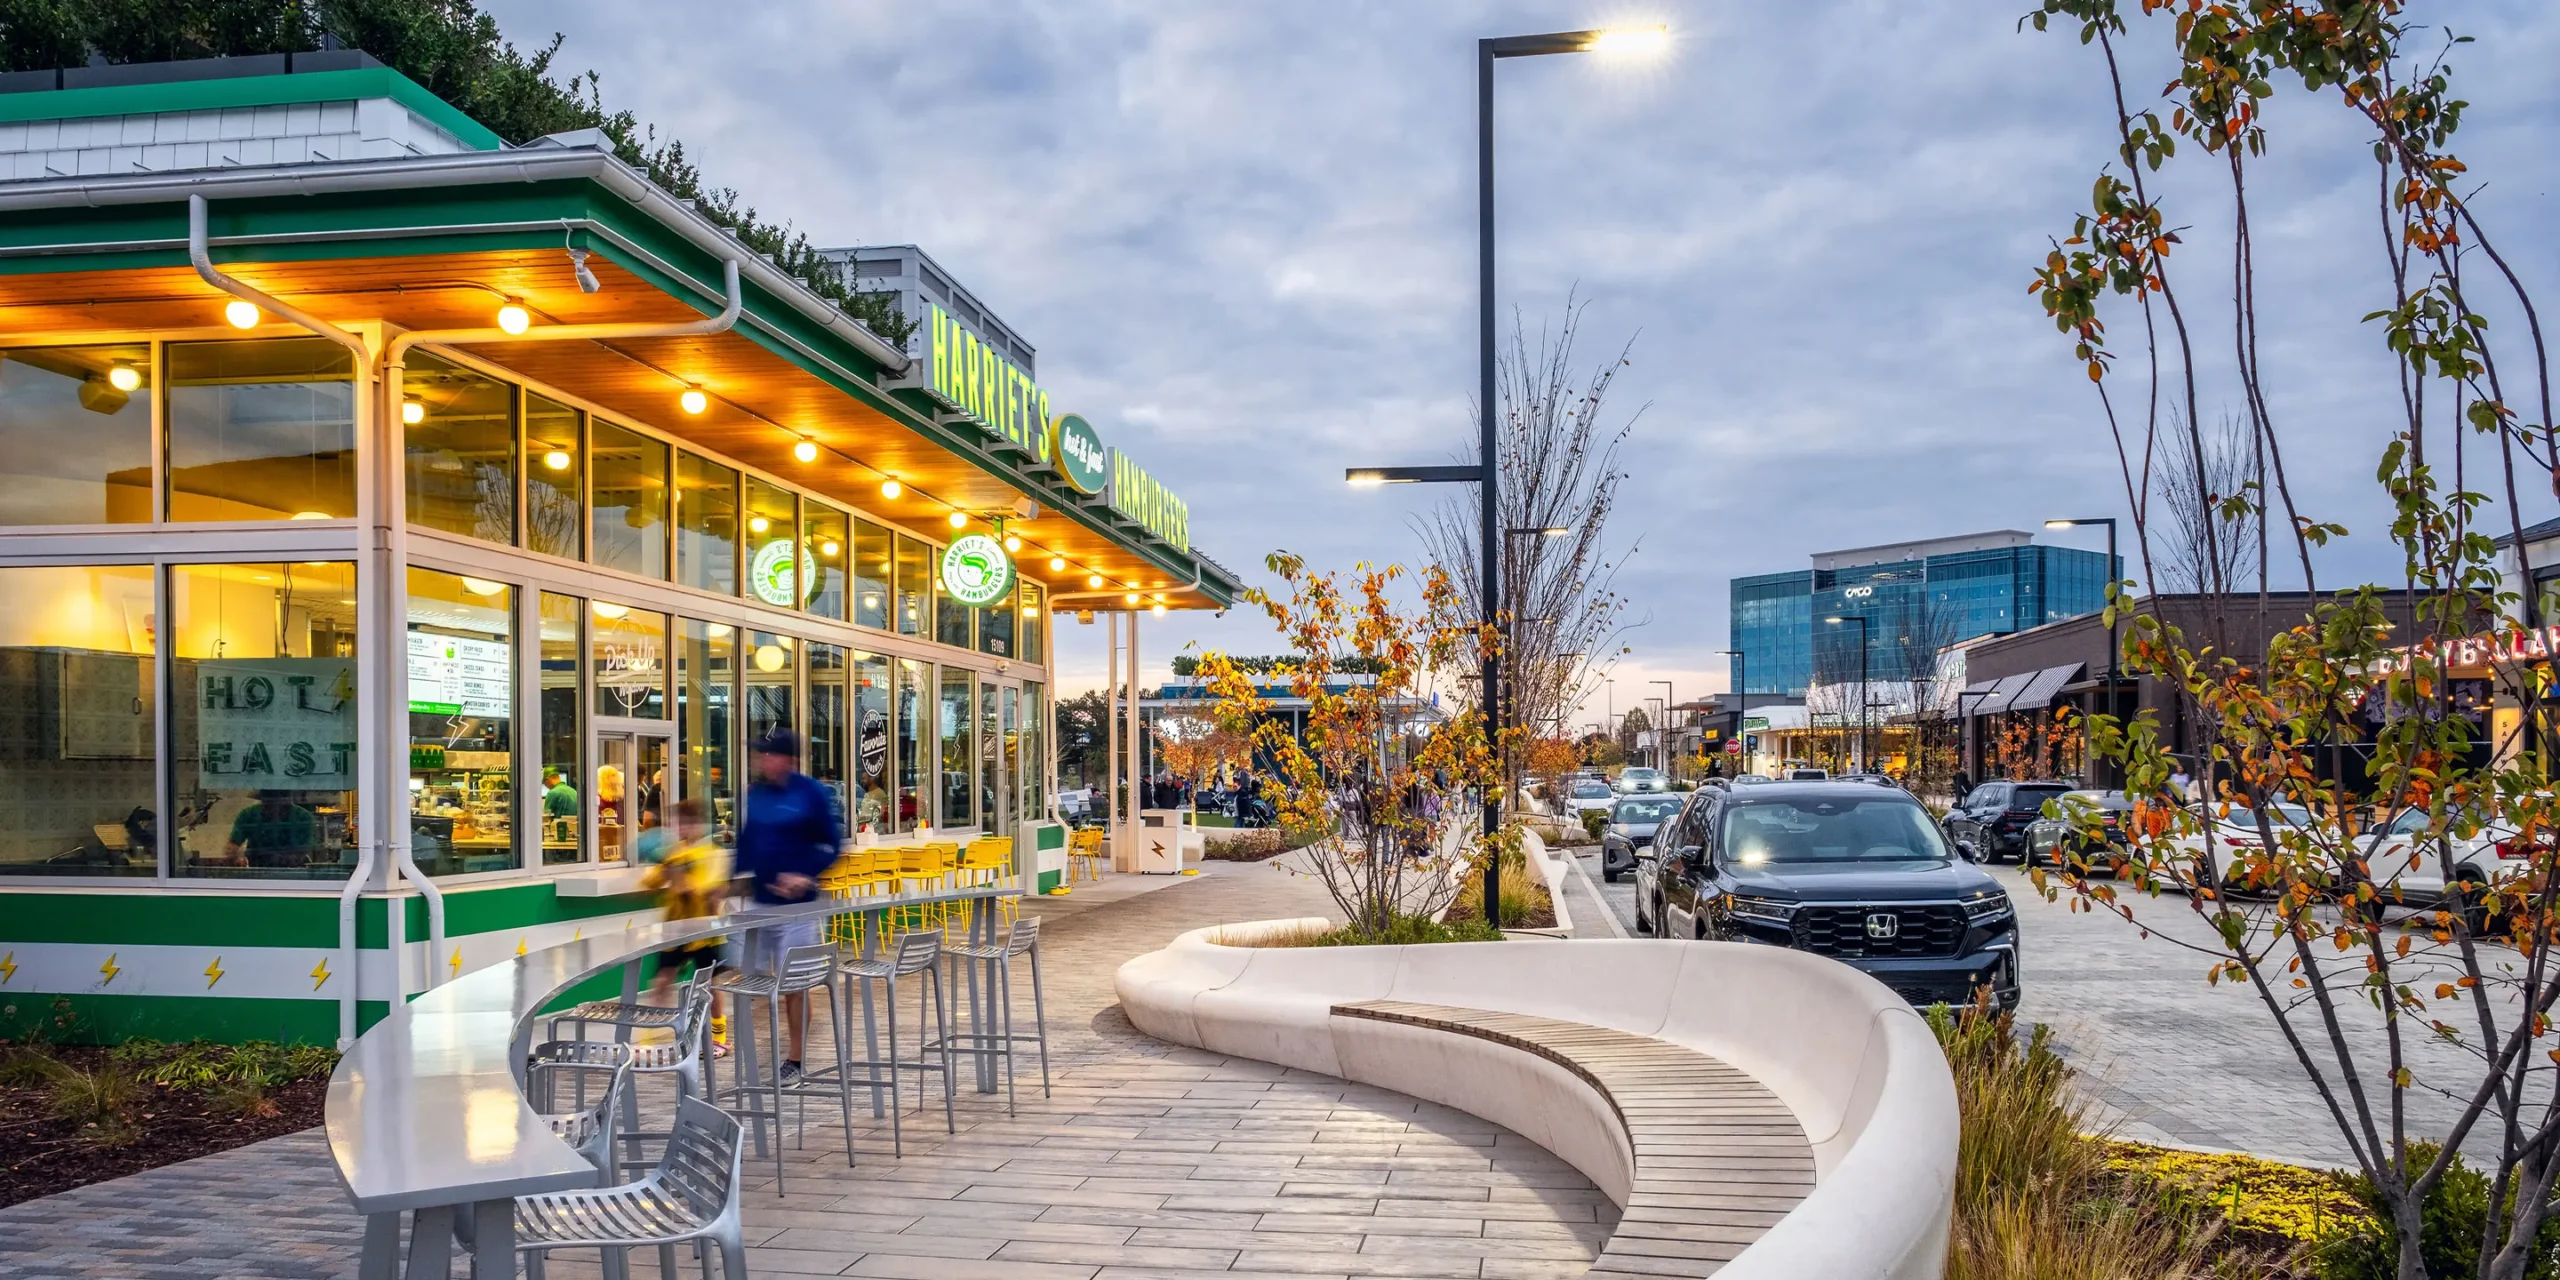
(40, 1155)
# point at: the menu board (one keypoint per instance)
(460, 676)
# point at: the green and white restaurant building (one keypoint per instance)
(394, 523)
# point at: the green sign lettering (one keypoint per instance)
(1143, 498)
(970, 376)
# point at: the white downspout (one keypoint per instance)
(367, 850)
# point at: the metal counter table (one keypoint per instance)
(426, 1113)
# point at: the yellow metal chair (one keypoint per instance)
(985, 863)
(1085, 854)
(842, 882)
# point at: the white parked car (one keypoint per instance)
(1587, 795)
(2395, 863)
(1640, 779)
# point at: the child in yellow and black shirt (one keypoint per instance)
(690, 875)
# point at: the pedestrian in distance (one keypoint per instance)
(788, 838)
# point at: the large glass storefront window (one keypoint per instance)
(462, 705)
(871, 739)
(629, 661)
(995, 628)
(958, 735)
(952, 620)
(262, 430)
(915, 587)
(1035, 753)
(1035, 623)
(78, 761)
(871, 567)
(262, 726)
(706, 694)
(912, 695)
(460, 436)
(554, 523)
(75, 435)
(706, 525)
(564, 739)
(824, 755)
(772, 679)
(628, 521)
(826, 552)
(776, 571)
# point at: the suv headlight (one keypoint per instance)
(1987, 906)
(1772, 910)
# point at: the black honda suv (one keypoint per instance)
(1855, 872)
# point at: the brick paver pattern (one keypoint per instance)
(1149, 1163)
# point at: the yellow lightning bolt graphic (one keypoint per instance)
(213, 972)
(457, 960)
(109, 968)
(8, 966)
(581, 933)
(519, 946)
(320, 973)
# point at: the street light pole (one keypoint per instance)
(1861, 620)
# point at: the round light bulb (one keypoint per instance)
(770, 657)
(1057, 564)
(806, 451)
(1157, 611)
(758, 524)
(413, 412)
(1093, 580)
(890, 489)
(123, 377)
(514, 318)
(1012, 543)
(1131, 598)
(693, 400)
(609, 611)
(829, 548)
(959, 519)
(557, 459)
(242, 313)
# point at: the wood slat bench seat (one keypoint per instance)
(1718, 1158)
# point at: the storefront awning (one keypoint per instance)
(2034, 691)
(1992, 696)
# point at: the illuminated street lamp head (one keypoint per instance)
(1630, 42)
(1835, 620)
(2060, 524)
(514, 319)
(1356, 477)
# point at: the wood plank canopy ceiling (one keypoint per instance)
(761, 405)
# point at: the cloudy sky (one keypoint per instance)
(1242, 237)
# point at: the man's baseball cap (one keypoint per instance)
(779, 742)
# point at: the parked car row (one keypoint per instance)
(1854, 871)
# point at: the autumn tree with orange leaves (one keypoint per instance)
(2411, 897)
(1382, 781)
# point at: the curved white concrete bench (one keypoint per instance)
(1856, 1066)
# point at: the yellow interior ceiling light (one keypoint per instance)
(609, 611)
(758, 524)
(829, 548)
(514, 319)
(557, 459)
(413, 412)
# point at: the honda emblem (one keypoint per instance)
(1884, 924)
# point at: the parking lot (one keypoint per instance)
(2169, 1058)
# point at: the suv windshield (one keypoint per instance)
(1829, 829)
(1642, 811)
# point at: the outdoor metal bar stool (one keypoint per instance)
(690, 1198)
(1020, 937)
(623, 1013)
(802, 970)
(917, 953)
(588, 1129)
(680, 1056)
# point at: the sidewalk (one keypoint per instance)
(1149, 1163)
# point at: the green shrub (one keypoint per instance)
(199, 1065)
(29, 1068)
(1407, 931)
(98, 1100)
(242, 1098)
(1594, 822)
(2450, 1221)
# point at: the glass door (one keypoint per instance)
(630, 791)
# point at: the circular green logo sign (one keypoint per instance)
(976, 571)
(1075, 449)
(774, 579)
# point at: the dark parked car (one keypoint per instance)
(1854, 872)
(1993, 817)
(2053, 840)
(1630, 830)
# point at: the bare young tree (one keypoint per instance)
(1556, 450)
(2210, 498)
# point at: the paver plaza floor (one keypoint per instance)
(1149, 1163)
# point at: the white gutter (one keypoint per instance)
(480, 168)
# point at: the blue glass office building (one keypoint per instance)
(1917, 598)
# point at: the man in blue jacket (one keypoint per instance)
(788, 838)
